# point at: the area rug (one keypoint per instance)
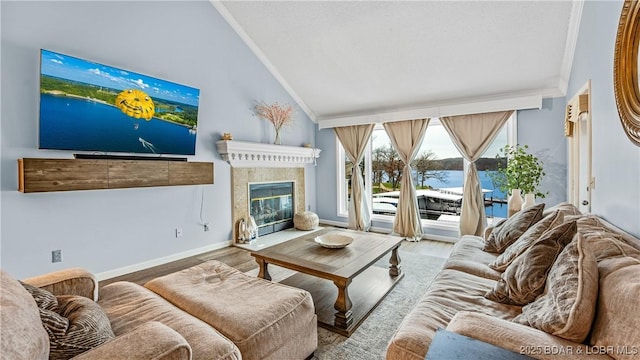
(369, 341)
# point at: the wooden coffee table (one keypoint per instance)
(344, 286)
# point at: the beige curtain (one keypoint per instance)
(406, 137)
(354, 140)
(472, 135)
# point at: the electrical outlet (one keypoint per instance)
(56, 256)
(206, 227)
(178, 232)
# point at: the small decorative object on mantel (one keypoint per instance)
(227, 136)
(278, 115)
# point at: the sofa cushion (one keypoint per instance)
(130, 305)
(69, 281)
(565, 208)
(77, 325)
(509, 231)
(520, 339)
(526, 240)
(594, 229)
(525, 278)
(23, 336)
(259, 316)
(622, 235)
(467, 256)
(150, 341)
(567, 307)
(616, 321)
(452, 291)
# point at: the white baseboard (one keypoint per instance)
(446, 239)
(334, 223)
(160, 261)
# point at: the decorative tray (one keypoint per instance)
(334, 241)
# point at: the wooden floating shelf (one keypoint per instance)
(44, 175)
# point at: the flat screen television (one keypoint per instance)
(86, 106)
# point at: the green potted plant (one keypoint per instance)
(518, 170)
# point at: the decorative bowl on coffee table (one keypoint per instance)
(334, 241)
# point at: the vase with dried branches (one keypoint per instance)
(279, 115)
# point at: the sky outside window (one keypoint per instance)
(438, 141)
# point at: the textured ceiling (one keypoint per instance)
(341, 59)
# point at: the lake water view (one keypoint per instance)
(80, 124)
(455, 178)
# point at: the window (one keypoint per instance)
(438, 174)
(345, 169)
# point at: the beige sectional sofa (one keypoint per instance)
(141, 324)
(24, 337)
(606, 323)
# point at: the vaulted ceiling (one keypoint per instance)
(344, 60)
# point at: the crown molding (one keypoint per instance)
(570, 47)
(226, 15)
(469, 106)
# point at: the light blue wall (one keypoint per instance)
(183, 42)
(543, 131)
(616, 161)
(327, 176)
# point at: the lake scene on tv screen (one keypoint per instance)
(86, 106)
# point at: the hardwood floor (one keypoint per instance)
(243, 261)
(232, 256)
(435, 248)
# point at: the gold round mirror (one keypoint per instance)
(625, 70)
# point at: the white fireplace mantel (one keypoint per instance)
(250, 154)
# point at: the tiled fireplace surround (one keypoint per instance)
(256, 162)
(241, 177)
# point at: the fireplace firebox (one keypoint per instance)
(272, 205)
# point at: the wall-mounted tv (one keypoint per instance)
(85, 106)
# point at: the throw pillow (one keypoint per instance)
(44, 299)
(509, 231)
(525, 278)
(616, 320)
(568, 305)
(565, 208)
(47, 306)
(526, 240)
(74, 323)
(77, 324)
